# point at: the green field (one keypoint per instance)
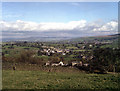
(58, 80)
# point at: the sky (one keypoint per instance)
(58, 19)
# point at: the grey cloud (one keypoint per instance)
(23, 29)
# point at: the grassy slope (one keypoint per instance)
(53, 80)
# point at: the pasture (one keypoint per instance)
(38, 79)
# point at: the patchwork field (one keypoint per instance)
(58, 80)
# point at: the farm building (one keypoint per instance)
(55, 63)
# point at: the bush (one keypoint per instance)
(36, 60)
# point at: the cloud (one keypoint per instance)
(32, 26)
(110, 26)
(70, 29)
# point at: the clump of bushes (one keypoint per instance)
(24, 56)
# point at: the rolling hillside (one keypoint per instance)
(106, 38)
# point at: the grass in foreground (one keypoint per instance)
(53, 80)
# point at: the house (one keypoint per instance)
(52, 47)
(59, 51)
(91, 57)
(66, 51)
(54, 64)
(61, 63)
(86, 65)
(63, 53)
(47, 63)
(83, 47)
(53, 51)
(90, 45)
(58, 64)
(83, 57)
(45, 50)
(76, 63)
(48, 53)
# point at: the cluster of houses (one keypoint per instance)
(52, 50)
(54, 64)
(74, 63)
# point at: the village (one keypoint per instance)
(79, 55)
(49, 51)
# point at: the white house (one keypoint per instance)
(55, 64)
(61, 63)
(63, 54)
(47, 63)
(86, 64)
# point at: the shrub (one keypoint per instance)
(25, 56)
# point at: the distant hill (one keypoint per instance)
(67, 39)
(105, 38)
(41, 39)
